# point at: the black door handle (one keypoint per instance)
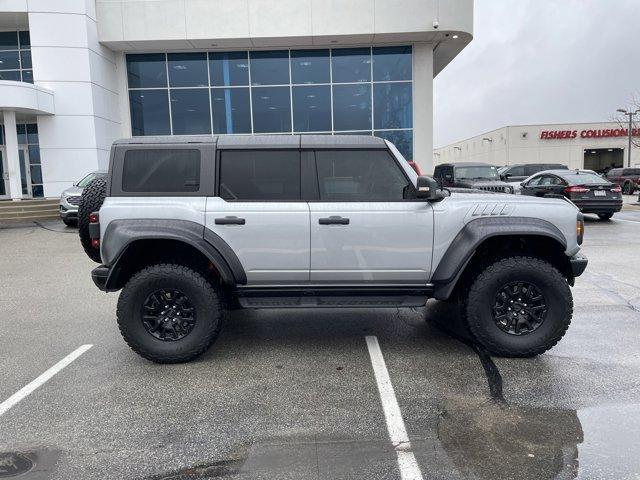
(335, 220)
(230, 221)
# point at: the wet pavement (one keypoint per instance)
(291, 394)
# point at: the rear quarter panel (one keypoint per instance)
(171, 208)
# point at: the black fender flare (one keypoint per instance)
(465, 243)
(121, 234)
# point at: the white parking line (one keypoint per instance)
(409, 469)
(41, 380)
(625, 220)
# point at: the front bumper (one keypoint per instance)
(67, 210)
(68, 214)
(578, 264)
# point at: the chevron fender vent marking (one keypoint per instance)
(491, 209)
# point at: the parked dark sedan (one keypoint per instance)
(586, 189)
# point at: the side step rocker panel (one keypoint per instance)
(333, 297)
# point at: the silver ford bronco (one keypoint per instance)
(189, 227)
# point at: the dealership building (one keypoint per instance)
(77, 74)
(594, 146)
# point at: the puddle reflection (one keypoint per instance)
(488, 440)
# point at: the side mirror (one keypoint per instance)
(523, 184)
(507, 175)
(427, 188)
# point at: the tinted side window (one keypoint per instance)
(359, 176)
(161, 170)
(516, 171)
(534, 181)
(260, 175)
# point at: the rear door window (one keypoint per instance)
(267, 175)
(359, 176)
(161, 170)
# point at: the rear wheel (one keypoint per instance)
(91, 201)
(518, 307)
(169, 313)
(69, 222)
(605, 216)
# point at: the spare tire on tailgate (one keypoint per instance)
(91, 201)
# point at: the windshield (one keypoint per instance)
(584, 179)
(85, 181)
(488, 172)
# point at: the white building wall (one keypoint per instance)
(522, 144)
(78, 49)
(423, 105)
(69, 60)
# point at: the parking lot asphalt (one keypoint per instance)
(292, 393)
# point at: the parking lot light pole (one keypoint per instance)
(630, 115)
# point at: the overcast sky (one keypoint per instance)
(540, 61)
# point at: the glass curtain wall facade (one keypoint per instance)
(15, 56)
(366, 90)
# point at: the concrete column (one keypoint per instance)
(423, 106)
(13, 159)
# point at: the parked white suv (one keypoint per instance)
(188, 227)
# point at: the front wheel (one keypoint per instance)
(169, 313)
(605, 216)
(518, 307)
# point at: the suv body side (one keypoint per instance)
(520, 172)
(627, 178)
(291, 240)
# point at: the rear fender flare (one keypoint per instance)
(120, 234)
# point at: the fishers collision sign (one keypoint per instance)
(589, 133)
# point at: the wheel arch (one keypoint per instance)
(484, 240)
(130, 245)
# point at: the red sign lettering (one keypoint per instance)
(588, 133)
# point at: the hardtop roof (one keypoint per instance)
(262, 141)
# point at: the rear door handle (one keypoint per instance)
(334, 220)
(230, 221)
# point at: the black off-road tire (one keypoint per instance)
(203, 296)
(478, 303)
(605, 216)
(91, 201)
(69, 223)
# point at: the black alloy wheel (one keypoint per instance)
(168, 315)
(519, 308)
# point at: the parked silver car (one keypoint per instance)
(70, 198)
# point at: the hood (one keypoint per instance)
(71, 191)
(486, 183)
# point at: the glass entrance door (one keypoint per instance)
(25, 172)
(4, 176)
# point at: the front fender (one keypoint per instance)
(465, 243)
